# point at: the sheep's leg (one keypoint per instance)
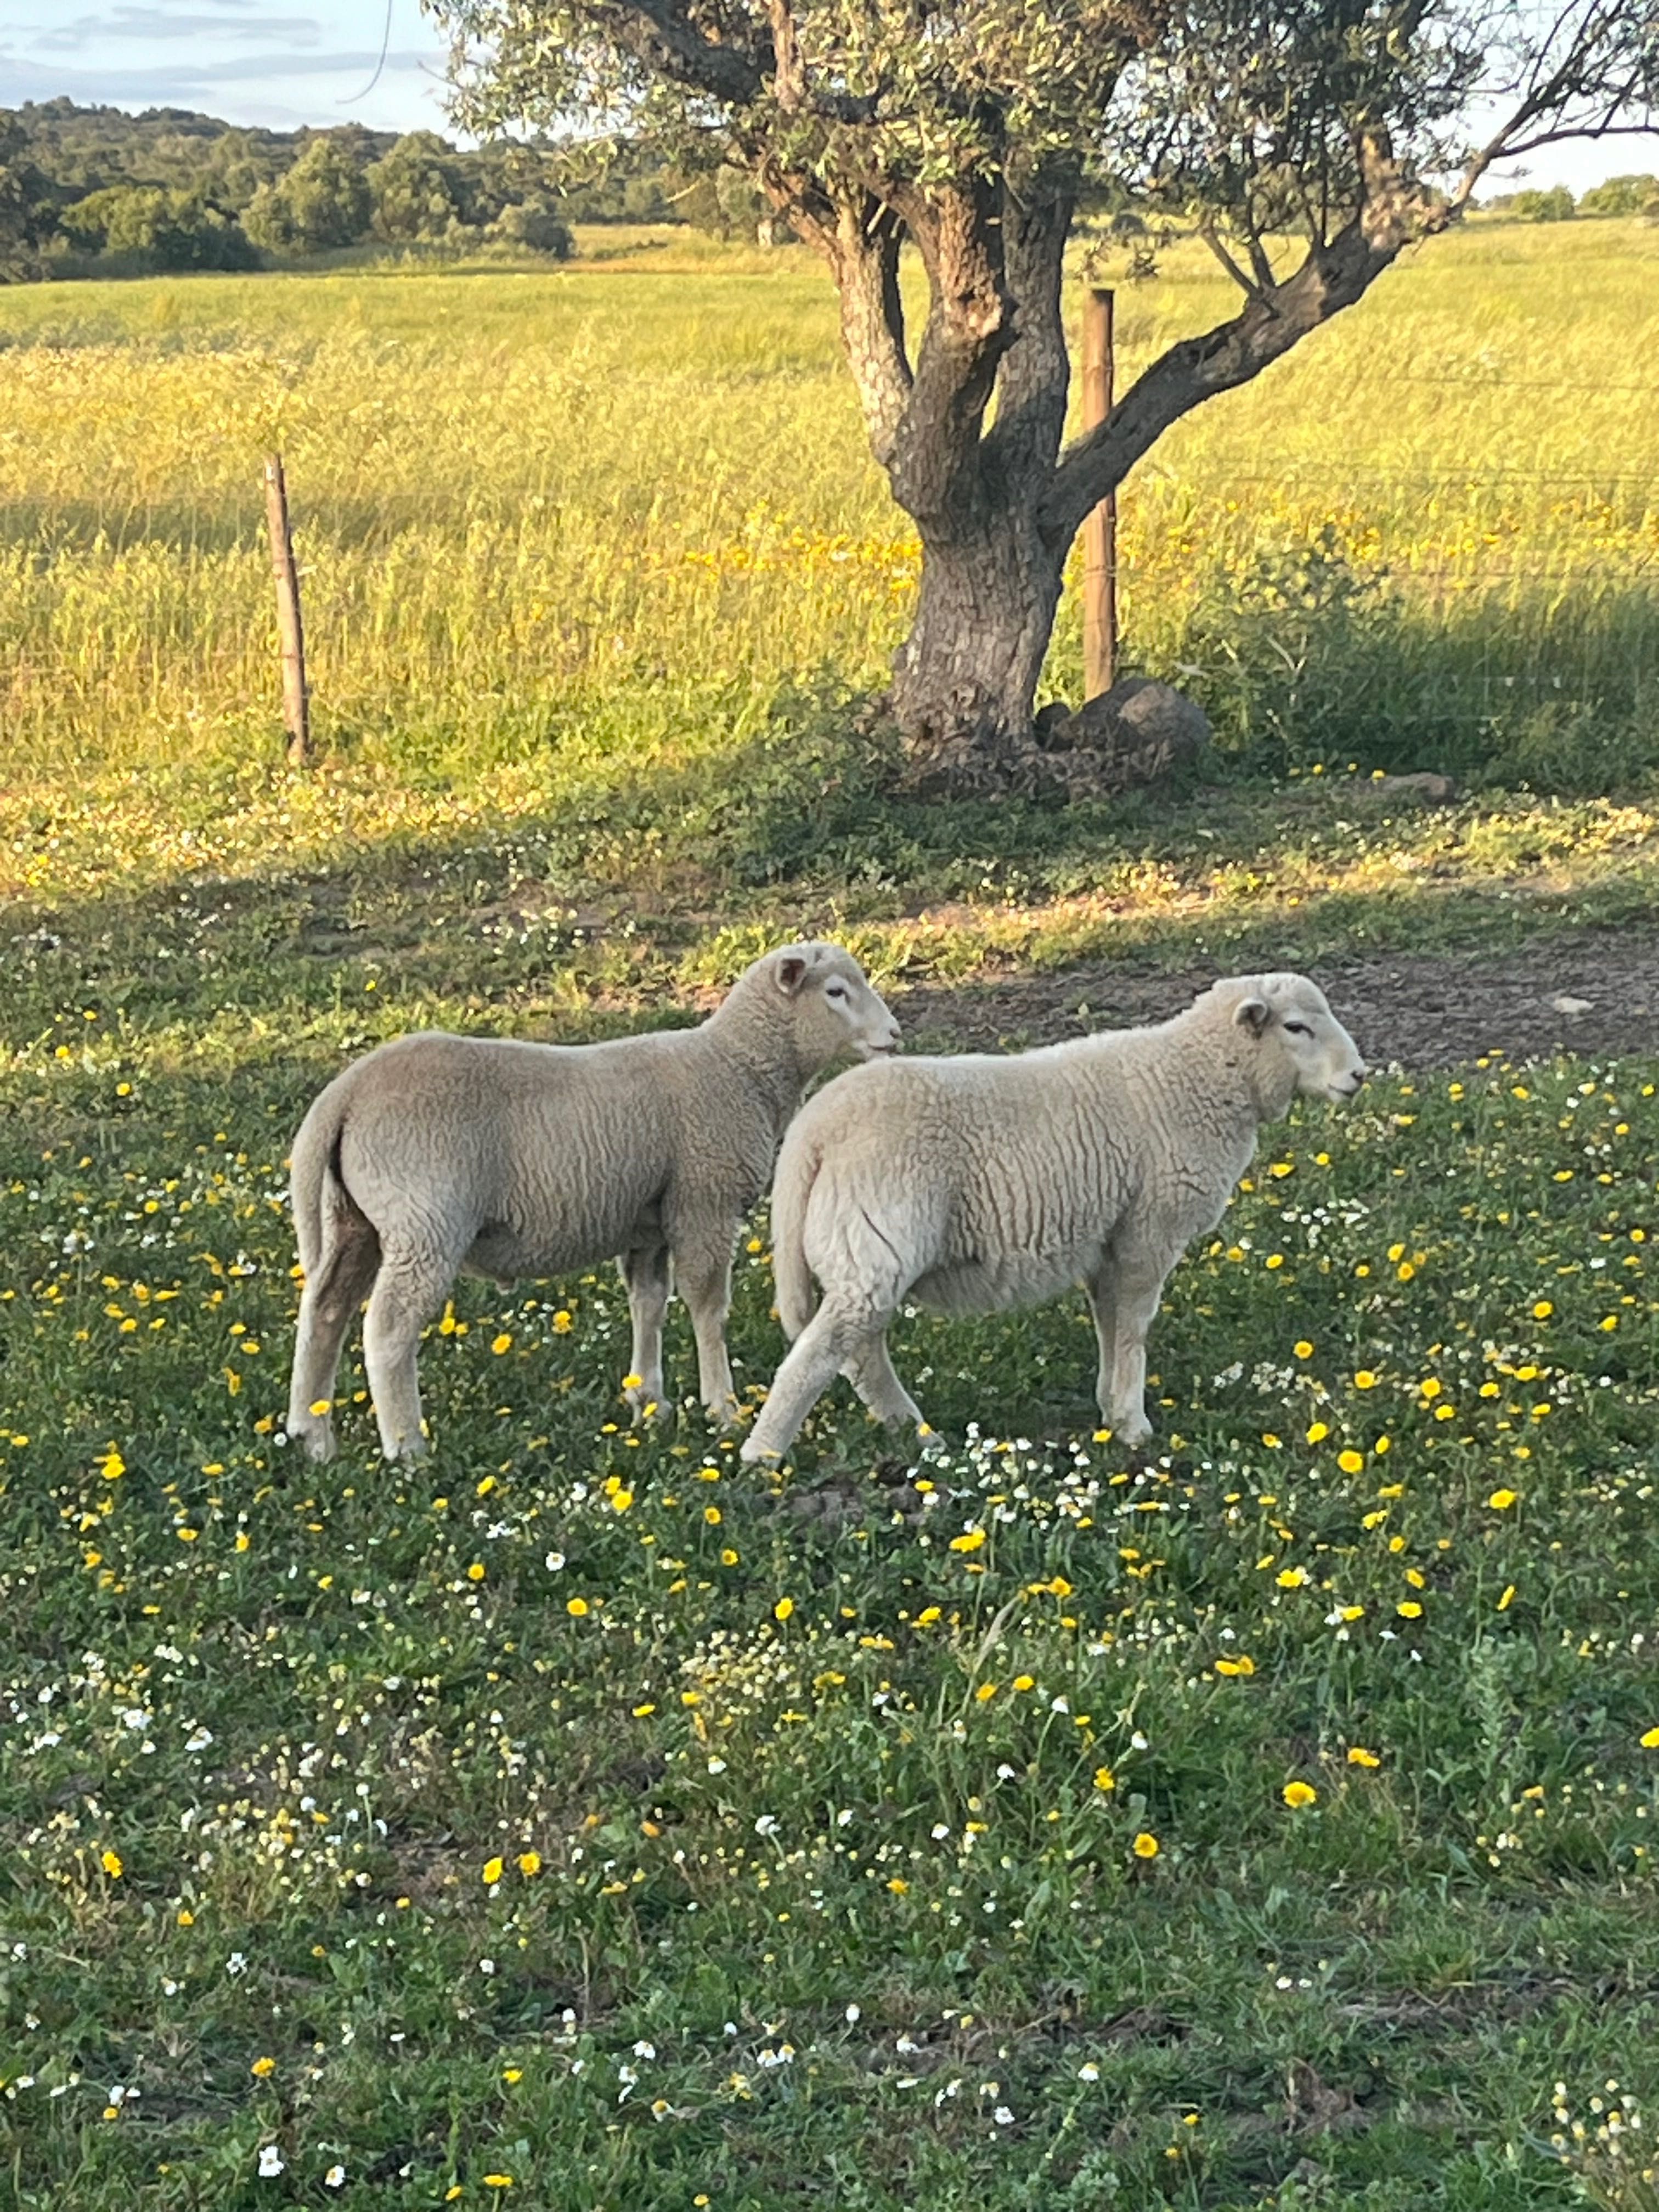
(410, 1289)
(703, 1274)
(332, 1298)
(646, 1271)
(839, 1331)
(1142, 1271)
(870, 1371)
(1102, 1305)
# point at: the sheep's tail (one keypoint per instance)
(792, 1190)
(323, 1207)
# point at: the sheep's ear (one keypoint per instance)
(1252, 1014)
(791, 969)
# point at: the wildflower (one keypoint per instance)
(986, 1691)
(1365, 1380)
(1358, 1756)
(1543, 1310)
(261, 2067)
(898, 1885)
(1508, 1598)
(1023, 1682)
(1145, 1846)
(498, 2181)
(1409, 1609)
(1088, 2071)
(1298, 1793)
(475, 1573)
(1651, 1740)
(1243, 1664)
(1290, 1578)
(1350, 1461)
(111, 1862)
(335, 2177)
(1317, 1432)
(1501, 1500)
(271, 2162)
(783, 1608)
(1104, 1778)
(970, 1541)
(500, 1344)
(576, 1607)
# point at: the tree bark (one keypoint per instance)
(965, 678)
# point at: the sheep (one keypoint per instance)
(975, 1183)
(437, 1155)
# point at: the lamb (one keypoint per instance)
(439, 1154)
(976, 1183)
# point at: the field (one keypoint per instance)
(580, 1822)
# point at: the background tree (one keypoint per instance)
(153, 229)
(1637, 195)
(420, 191)
(27, 214)
(1555, 205)
(1307, 143)
(323, 201)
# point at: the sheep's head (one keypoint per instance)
(1310, 1052)
(834, 1010)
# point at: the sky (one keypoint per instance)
(284, 63)
(280, 63)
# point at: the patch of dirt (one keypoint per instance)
(1593, 992)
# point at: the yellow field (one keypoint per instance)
(552, 523)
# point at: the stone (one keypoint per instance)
(1136, 733)
(1423, 788)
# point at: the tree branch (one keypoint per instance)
(1034, 374)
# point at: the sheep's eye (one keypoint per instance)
(1297, 1029)
(836, 991)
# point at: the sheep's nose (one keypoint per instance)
(1356, 1075)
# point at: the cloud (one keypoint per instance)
(147, 26)
(22, 80)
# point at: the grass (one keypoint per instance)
(580, 1823)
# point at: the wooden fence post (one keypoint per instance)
(1100, 531)
(296, 713)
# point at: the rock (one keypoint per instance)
(1423, 788)
(1565, 1004)
(1135, 733)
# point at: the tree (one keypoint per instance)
(26, 213)
(531, 226)
(968, 128)
(1555, 205)
(419, 189)
(1622, 196)
(322, 201)
(158, 229)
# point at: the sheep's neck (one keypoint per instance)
(767, 1054)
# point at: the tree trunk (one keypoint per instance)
(965, 680)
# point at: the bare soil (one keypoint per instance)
(1591, 992)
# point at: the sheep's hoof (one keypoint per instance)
(755, 1454)
(649, 1408)
(315, 1438)
(408, 1448)
(723, 1411)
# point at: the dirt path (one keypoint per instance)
(1595, 993)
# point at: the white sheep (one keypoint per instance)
(976, 1182)
(439, 1155)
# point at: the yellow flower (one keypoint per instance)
(492, 1870)
(621, 1500)
(576, 1607)
(261, 2067)
(927, 1616)
(1317, 1432)
(475, 1573)
(1104, 1778)
(502, 1343)
(111, 1862)
(985, 1691)
(498, 2181)
(783, 1608)
(563, 1323)
(1501, 1500)
(1145, 1846)
(1431, 1386)
(1243, 1664)
(1023, 1682)
(1290, 1578)
(1409, 1609)
(644, 1712)
(632, 1381)
(187, 1919)
(1365, 1380)
(510, 2074)
(1350, 1461)
(1298, 1793)
(1543, 1310)
(898, 1885)
(1357, 1756)
(711, 1514)
(728, 1558)
(1507, 1599)
(970, 1541)
(1651, 1740)
(530, 1864)
(1303, 1350)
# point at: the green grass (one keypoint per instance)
(594, 561)
(305, 1710)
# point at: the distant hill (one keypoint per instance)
(95, 191)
